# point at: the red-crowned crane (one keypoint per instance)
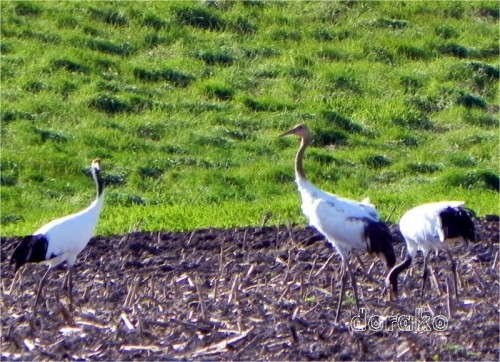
(346, 224)
(429, 227)
(61, 240)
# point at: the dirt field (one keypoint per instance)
(248, 294)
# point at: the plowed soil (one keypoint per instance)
(265, 293)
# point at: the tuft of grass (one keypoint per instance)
(216, 58)
(267, 105)
(377, 161)
(486, 179)
(125, 199)
(471, 101)
(481, 119)
(106, 46)
(337, 120)
(9, 115)
(332, 54)
(27, 8)
(414, 120)
(70, 66)
(109, 16)
(285, 35)
(199, 17)
(345, 83)
(261, 51)
(110, 104)
(446, 31)
(413, 52)
(176, 77)
(406, 139)
(9, 173)
(10, 218)
(154, 21)
(488, 70)
(454, 49)
(153, 171)
(220, 91)
(154, 40)
(325, 137)
(418, 167)
(35, 86)
(243, 25)
(324, 157)
(489, 11)
(48, 135)
(152, 131)
(390, 23)
(462, 160)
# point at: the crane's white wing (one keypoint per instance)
(310, 194)
(341, 221)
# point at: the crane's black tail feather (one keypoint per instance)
(32, 249)
(458, 221)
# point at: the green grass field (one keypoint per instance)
(184, 101)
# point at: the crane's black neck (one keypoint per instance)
(99, 182)
(380, 241)
(392, 278)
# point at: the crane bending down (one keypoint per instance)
(346, 224)
(429, 227)
(61, 240)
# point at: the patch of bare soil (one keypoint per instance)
(248, 294)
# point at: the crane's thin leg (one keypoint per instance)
(454, 271)
(70, 285)
(17, 278)
(343, 278)
(425, 274)
(40, 290)
(359, 260)
(406, 274)
(353, 282)
(434, 281)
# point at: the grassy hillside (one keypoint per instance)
(183, 102)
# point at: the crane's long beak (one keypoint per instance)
(286, 133)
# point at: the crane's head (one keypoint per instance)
(96, 164)
(391, 281)
(299, 130)
(96, 174)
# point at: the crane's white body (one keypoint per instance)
(340, 220)
(346, 224)
(61, 240)
(421, 227)
(64, 238)
(69, 235)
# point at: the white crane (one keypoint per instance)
(61, 240)
(346, 224)
(429, 227)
